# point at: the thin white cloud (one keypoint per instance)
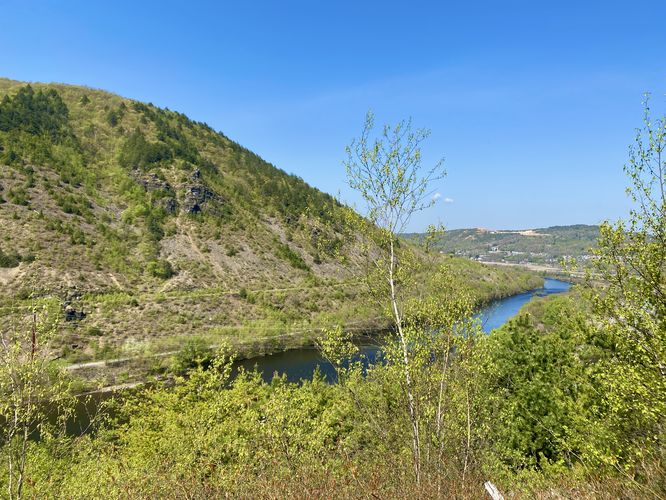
(448, 200)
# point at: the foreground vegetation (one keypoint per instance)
(566, 400)
(527, 407)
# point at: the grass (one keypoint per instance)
(265, 260)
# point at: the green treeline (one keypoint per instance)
(136, 152)
(37, 113)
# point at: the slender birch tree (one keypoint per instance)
(631, 307)
(387, 170)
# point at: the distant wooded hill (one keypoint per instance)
(540, 246)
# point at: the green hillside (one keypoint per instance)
(538, 246)
(146, 228)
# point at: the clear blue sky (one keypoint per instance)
(533, 104)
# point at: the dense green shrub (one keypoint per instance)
(11, 259)
(10, 157)
(194, 354)
(536, 383)
(73, 204)
(137, 152)
(37, 113)
(18, 196)
(161, 268)
(285, 252)
(113, 116)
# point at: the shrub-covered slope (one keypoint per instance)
(148, 228)
(110, 193)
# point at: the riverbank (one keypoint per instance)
(302, 363)
(556, 272)
(281, 351)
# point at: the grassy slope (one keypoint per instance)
(102, 219)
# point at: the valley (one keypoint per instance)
(146, 231)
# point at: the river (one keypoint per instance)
(299, 364)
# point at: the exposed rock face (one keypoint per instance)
(151, 182)
(72, 314)
(196, 195)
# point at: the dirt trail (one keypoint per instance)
(218, 271)
(7, 275)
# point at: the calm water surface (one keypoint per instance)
(501, 311)
(302, 363)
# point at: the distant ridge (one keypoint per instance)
(538, 246)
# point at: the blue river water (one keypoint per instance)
(301, 363)
(501, 311)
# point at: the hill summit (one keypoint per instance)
(146, 229)
(111, 193)
(106, 200)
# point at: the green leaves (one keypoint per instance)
(338, 348)
(387, 172)
(160, 268)
(37, 113)
(138, 153)
(537, 386)
(27, 381)
(630, 307)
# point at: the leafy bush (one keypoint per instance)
(37, 113)
(137, 152)
(9, 259)
(18, 196)
(161, 268)
(10, 157)
(71, 204)
(76, 234)
(113, 117)
(195, 354)
(285, 252)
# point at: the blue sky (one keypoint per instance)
(532, 104)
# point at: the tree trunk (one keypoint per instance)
(413, 416)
